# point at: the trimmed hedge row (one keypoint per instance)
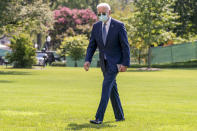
(188, 64)
(60, 64)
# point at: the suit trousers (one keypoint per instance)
(109, 90)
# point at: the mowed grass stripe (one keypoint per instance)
(63, 98)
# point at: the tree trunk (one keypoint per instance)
(126, 2)
(149, 57)
(39, 40)
(76, 64)
(53, 3)
(139, 57)
(94, 5)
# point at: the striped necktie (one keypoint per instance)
(104, 33)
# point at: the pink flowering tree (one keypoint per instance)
(71, 22)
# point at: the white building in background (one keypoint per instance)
(5, 42)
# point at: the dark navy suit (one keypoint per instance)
(114, 51)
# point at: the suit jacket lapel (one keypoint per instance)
(100, 34)
(110, 31)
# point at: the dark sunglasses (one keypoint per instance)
(99, 14)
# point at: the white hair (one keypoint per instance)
(104, 5)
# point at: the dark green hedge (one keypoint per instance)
(61, 64)
(188, 64)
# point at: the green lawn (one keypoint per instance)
(60, 99)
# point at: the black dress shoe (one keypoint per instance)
(95, 122)
(120, 119)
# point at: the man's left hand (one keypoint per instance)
(123, 68)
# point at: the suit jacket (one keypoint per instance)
(116, 48)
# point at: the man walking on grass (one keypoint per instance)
(110, 36)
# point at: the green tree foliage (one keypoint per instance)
(39, 16)
(3, 18)
(8, 16)
(153, 23)
(187, 9)
(77, 4)
(33, 17)
(25, 16)
(92, 4)
(126, 15)
(74, 46)
(23, 54)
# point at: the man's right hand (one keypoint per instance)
(86, 65)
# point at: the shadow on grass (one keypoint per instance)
(143, 70)
(161, 69)
(184, 68)
(75, 126)
(5, 81)
(14, 73)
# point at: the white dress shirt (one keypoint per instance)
(107, 25)
(107, 29)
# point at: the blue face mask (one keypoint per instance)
(103, 18)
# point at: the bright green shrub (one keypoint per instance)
(23, 53)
